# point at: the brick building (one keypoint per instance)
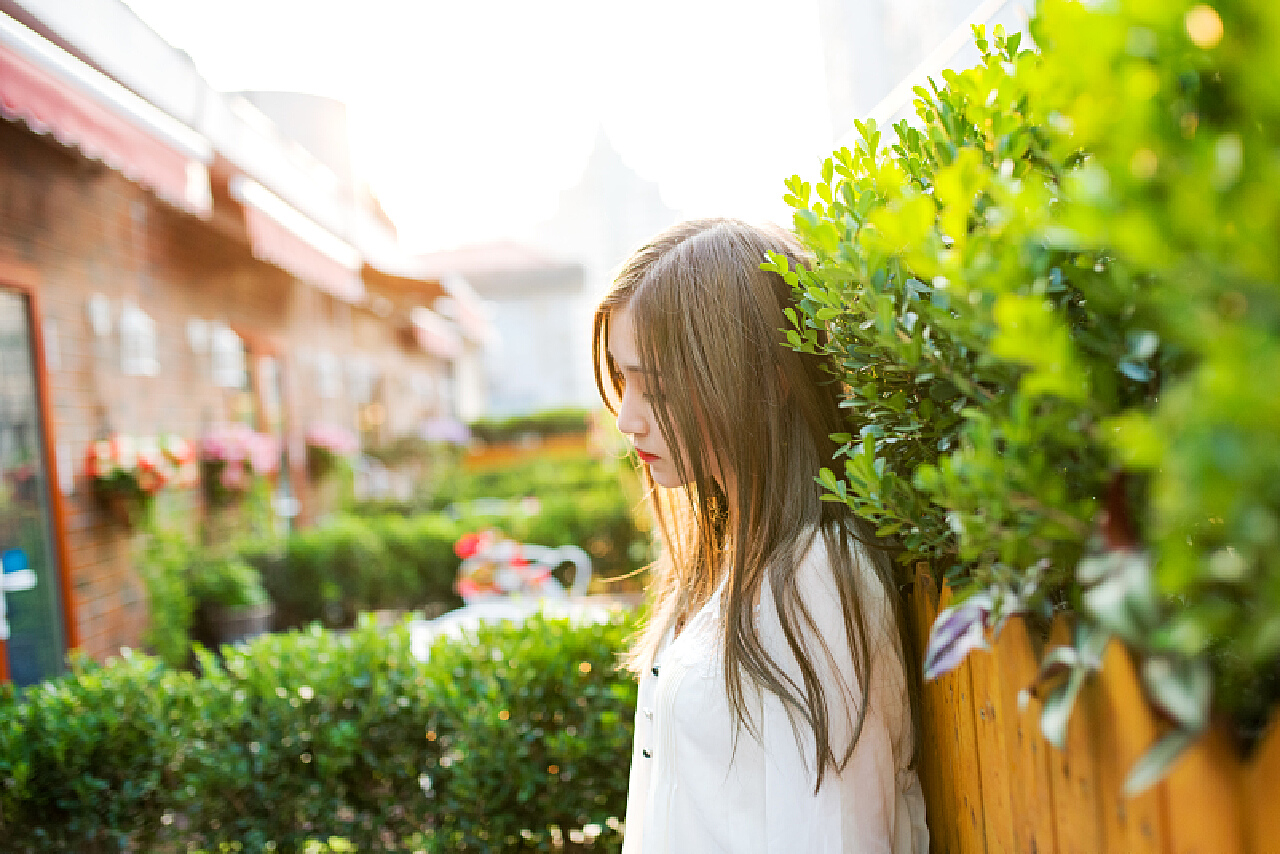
(165, 270)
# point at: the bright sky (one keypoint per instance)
(471, 116)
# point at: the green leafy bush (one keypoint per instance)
(326, 573)
(84, 759)
(1053, 304)
(225, 581)
(163, 567)
(552, 422)
(305, 736)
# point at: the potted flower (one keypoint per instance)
(234, 456)
(327, 445)
(231, 598)
(128, 472)
(493, 565)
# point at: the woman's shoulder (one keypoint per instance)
(831, 562)
(823, 552)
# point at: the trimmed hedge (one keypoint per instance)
(552, 422)
(507, 741)
(333, 572)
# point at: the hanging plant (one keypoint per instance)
(234, 457)
(328, 445)
(127, 472)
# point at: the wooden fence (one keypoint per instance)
(993, 784)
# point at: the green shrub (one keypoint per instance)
(85, 759)
(327, 573)
(552, 422)
(534, 734)
(348, 565)
(170, 605)
(1053, 303)
(305, 736)
(225, 581)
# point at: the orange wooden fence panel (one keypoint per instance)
(1027, 753)
(1073, 774)
(997, 774)
(1206, 800)
(1125, 729)
(993, 784)
(958, 716)
(936, 776)
(1262, 783)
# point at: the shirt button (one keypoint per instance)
(655, 670)
(646, 754)
(648, 713)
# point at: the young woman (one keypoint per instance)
(774, 711)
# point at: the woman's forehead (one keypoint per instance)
(622, 345)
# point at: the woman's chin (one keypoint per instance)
(663, 476)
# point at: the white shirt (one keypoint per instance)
(693, 790)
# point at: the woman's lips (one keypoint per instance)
(648, 458)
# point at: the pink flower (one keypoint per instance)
(264, 453)
(232, 476)
(333, 438)
(237, 444)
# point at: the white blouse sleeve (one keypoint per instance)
(854, 810)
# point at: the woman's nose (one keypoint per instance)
(631, 421)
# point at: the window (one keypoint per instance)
(328, 376)
(138, 356)
(226, 356)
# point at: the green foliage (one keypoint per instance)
(551, 422)
(170, 604)
(378, 559)
(533, 737)
(226, 581)
(84, 759)
(580, 499)
(345, 737)
(1052, 301)
(353, 564)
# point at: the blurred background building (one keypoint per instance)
(542, 293)
(172, 259)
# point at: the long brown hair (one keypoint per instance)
(709, 324)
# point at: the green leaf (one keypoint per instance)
(1156, 762)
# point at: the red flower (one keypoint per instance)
(467, 545)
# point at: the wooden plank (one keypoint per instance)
(993, 757)
(1073, 773)
(1262, 782)
(1113, 703)
(1206, 814)
(1031, 796)
(934, 755)
(960, 733)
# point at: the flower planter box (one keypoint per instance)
(992, 782)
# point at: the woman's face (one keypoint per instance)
(640, 394)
